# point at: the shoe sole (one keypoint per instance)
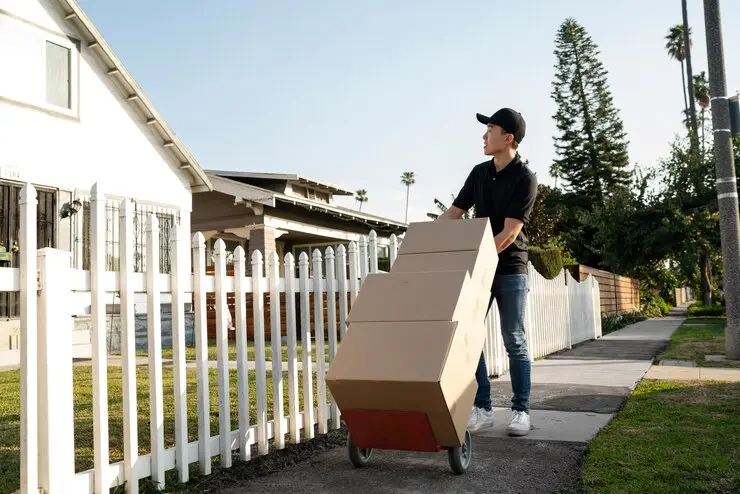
(479, 427)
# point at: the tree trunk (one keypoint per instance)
(690, 81)
(683, 83)
(706, 277)
(406, 218)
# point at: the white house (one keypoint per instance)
(70, 116)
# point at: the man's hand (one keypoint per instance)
(452, 213)
(512, 227)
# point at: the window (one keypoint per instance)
(58, 72)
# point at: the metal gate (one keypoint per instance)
(10, 229)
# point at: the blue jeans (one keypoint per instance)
(510, 292)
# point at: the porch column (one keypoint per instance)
(261, 238)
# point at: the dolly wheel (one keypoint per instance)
(460, 457)
(358, 456)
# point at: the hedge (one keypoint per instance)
(548, 261)
(697, 309)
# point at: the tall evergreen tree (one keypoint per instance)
(592, 143)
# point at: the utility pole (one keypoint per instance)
(729, 222)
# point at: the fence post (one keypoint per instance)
(29, 343)
(128, 347)
(222, 354)
(55, 405)
(154, 341)
(99, 350)
(318, 316)
(201, 353)
(179, 278)
(353, 281)
(393, 249)
(362, 258)
(373, 248)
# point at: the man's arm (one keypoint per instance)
(525, 193)
(452, 213)
(512, 227)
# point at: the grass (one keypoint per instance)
(10, 416)
(697, 338)
(190, 351)
(670, 437)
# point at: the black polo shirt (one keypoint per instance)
(509, 193)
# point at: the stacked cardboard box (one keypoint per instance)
(404, 376)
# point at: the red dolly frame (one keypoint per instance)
(401, 431)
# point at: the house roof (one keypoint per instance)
(267, 197)
(287, 177)
(135, 96)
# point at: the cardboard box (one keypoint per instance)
(446, 236)
(404, 375)
(450, 245)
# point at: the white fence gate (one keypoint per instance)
(560, 313)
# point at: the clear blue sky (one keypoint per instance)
(355, 93)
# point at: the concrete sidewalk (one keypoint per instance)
(574, 394)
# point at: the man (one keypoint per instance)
(503, 189)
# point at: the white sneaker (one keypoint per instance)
(518, 423)
(480, 418)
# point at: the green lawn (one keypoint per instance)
(670, 437)
(190, 351)
(697, 338)
(10, 415)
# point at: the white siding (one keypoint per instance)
(100, 139)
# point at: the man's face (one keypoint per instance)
(495, 140)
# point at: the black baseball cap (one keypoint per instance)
(509, 120)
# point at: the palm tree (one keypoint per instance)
(361, 197)
(466, 215)
(676, 49)
(408, 180)
(689, 77)
(701, 94)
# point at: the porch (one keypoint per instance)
(269, 213)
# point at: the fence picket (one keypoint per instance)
(290, 327)
(99, 348)
(154, 327)
(259, 350)
(373, 254)
(29, 437)
(201, 354)
(318, 304)
(179, 282)
(308, 419)
(128, 348)
(394, 249)
(331, 314)
(242, 356)
(362, 258)
(353, 281)
(342, 282)
(222, 354)
(276, 340)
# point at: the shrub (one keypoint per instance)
(697, 309)
(654, 306)
(548, 261)
(613, 322)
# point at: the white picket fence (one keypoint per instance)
(560, 313)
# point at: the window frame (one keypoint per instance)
(73, 45)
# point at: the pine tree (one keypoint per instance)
(591, 145)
